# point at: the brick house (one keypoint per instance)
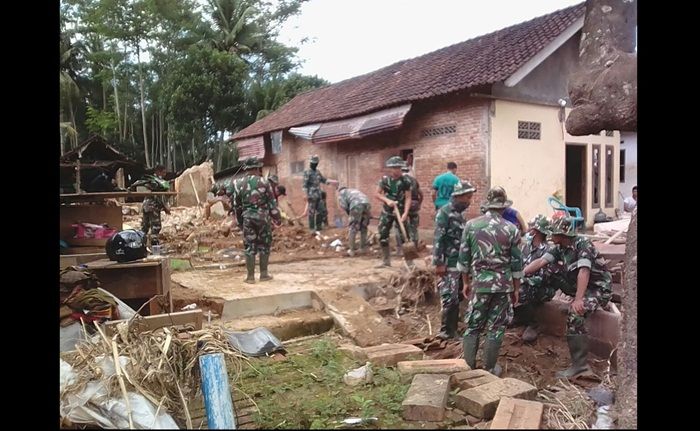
(490, 104)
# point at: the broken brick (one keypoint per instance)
(482, 400)
(432, 366)
(472, 378)
(388, 355)
(518, 414)
(426, 398)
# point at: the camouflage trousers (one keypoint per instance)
(592, 300)
(151, 220)
(359, 218)
(386, 221)
(490, 313)
(450, 286)
(411, 226)
(257, 236)
(315, 213)
(537, 288)
(322, 214)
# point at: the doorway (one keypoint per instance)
(576, 177)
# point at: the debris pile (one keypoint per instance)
(414, 287)
(157, 367)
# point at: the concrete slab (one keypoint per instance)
(426, 398)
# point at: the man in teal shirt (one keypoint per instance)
(443, 185)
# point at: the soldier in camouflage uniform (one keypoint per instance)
(393, 189)
(153, 205)
(491, 264)
(312, 189)
(413, 213)
(223, 192)
(538, 287)
(356, 205)
(587, 279)
(255, 205)
(449, 223)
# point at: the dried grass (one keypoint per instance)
(163, 366)
(568, 408)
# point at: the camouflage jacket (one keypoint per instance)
(154, 184)
(530, 252)
(395, 190)
(253, 198)
(490, 253)
(582, 254)
(312, 183)
(350, 198)
(449, 224)
(225, 185)
(416, 194)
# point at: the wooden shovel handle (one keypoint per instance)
(398, 219)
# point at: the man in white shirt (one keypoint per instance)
(630, 203)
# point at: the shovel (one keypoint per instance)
(409, 248)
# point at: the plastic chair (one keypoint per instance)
(574, 213)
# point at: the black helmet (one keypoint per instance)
(126, 246)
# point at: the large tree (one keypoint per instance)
(604, 95)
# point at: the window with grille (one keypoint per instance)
(297, 167)
(438, 131)
(529, 130)
(609, 133)
(609, 175)
(622, 166)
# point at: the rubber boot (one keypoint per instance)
(363, 241)
(526, 316)
(470, 343)
(250, 267)
(578, 348)
(448, 330)
(491, 349)
(386, 260)
(312, 223)
(351, 241)
(264, 259)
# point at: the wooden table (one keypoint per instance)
(136, 282)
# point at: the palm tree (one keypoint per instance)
(69, 90)
(237, 31)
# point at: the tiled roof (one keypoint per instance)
(481, 61)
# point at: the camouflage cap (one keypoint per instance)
(274, 179)
(540, 224)
(252, 163)
(497, 198)
(314, 159)
(562, 226)
(463, 188)
(395, 162)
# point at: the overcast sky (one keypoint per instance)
(352, 37)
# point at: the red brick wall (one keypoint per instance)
(359, 164)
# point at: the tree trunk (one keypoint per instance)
(126, 116)
(153, 138)
(143, 106)
(603, 91)
(627, 355)
(116, 97)
(169, 155)
(160, 135)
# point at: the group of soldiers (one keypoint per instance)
(483, 260)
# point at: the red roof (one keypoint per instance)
(481, 61)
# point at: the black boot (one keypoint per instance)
(578, 348)
(312, 223)
(386, 260)
(525, 315)
(264, 259)
(491, 349)
(448, 330)
(351, 243)
(363, 241)
(250, 267)
(470, 343)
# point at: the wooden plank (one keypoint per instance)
(518, 414)
(110, 264)
(78, 259)
(95, 214)
(217, 395)
(149, 323)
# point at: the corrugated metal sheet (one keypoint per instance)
(253, 147)
(305, 132)
(359, 127)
